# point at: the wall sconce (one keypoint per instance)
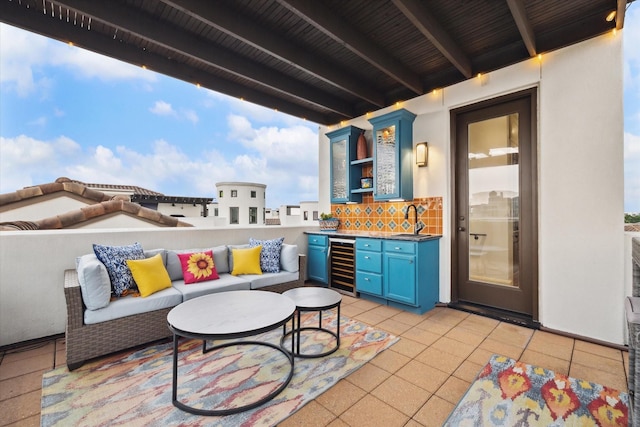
(422, 154)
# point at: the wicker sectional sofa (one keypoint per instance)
(131, 321)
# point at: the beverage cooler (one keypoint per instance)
(342, 265)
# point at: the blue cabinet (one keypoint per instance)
(393, 155)
(369, 266)
(344, 176)
(398, 273)
(317, 258)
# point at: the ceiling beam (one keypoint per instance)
(620, 12)
(429, 26)
(524, 25)
(341, 31)
(217, 15)
(132, 21)
(35, 21)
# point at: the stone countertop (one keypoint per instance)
(378, 235)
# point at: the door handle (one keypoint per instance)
(462, 229)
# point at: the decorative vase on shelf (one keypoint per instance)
(361, 147)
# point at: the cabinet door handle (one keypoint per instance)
(366, 257)
(366, 279)
(397, 248)
(366, 245)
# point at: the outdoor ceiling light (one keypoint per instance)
(422, 154)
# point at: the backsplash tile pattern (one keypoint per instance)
(389, 216)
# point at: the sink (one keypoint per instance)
(408, 235)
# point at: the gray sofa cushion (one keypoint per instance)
(289, 258)
(226, 282)
(220, 259)
(95, 284)
(267, 279)
(130, 305)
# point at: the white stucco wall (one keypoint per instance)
(243, 201)
(580, 178)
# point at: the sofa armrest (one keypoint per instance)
(302, 268)
(73, 297)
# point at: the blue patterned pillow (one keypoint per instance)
(269, 255)
(115, 259)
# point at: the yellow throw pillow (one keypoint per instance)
(246, 261)
(149, 274)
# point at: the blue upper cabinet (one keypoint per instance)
(393, 158)
(343, 178)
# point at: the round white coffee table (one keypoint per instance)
(229, 315)
(312, 299)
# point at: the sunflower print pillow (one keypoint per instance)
(198, 267)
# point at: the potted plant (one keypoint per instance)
(328, 222)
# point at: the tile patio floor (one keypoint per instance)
(416, 382)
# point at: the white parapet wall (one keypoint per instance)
(32, 265)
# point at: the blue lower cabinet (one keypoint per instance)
(317, 258)
(398, 273)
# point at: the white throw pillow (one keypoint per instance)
(289, 258)
(95, 284)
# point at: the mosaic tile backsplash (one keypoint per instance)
(389, 216)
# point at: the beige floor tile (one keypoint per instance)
(341, 397)
(346, 300)
(45, 348)
(60, 358)
(545, 361)
(336, 423)
(368, 377)
(413, 423)
(424, 376)
(434, 412)
(312, 415)
(386, 311)
(454, 347)
(439, 359)
(26, 365)
(606, 364)
(480, 324)
(468, 371)
(370, 318)
(365, 305)
(351, 311)
(408, 318)
(23, 384)
(480, 356)
(434, 327)
(20, 408)
(502, 348)
(511, 334)
(453, 389)
(467, 336)
(408, 347)
(401, 395)
(553, 345)
(390, 360)
(591, 374)
(393, 326)
(371, 411)
(599, 350)
(421, 336)
(450, 317)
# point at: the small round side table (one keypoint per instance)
(312, 299)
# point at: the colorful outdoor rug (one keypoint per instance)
(134, 388)
(510, 393)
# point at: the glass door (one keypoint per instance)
(495, 235)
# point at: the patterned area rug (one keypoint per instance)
(510, 393)
(134, 388)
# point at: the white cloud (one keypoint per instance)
(162, 108)
(23, 55)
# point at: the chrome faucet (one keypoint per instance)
(417, 227)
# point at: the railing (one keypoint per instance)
(32, 264)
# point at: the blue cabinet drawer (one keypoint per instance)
(316, 240)
(399, 247)
(374, 245)
(369, 283)
(369, 261)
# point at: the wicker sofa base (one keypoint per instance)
(85, 342)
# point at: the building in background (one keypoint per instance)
(242, 203)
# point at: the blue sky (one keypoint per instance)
(69, 112)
